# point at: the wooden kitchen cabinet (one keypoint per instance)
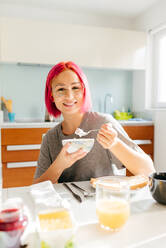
(20, 151)
(144, 137)
(144, 134)
(18, 165)
(45, 42)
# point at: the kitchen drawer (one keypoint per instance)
(17, 177)
(144, 137)
(140, 132)
(20, 150)
(22, 136)
(18, 156)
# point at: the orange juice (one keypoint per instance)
(112, 213)
(54, 220)
(56, 228)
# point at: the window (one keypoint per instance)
(156, 72)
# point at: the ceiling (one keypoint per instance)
(121, 8)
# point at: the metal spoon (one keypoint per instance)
(82, 133)
(85, 193)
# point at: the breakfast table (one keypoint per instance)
(146, 226)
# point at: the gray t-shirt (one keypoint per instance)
(98, 162)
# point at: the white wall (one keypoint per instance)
(62, 16)
(149, 20)
(138, 96)
(160, 140)
(153, 17)
(138, 86)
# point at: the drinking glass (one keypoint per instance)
(13, 222)
(112, 203)
(11, 116)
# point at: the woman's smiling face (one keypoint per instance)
(68, 92)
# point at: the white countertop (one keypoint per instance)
(28, 124)
(136, 123)
(145, 227)
(52, 124)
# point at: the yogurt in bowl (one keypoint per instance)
(76, 144)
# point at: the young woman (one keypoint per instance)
(67, 93)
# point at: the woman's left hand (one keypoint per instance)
(107, 136)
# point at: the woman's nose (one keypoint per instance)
(69, 94)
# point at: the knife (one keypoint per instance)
(77, 197)
(85, 192)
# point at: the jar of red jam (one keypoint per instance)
(13, 222)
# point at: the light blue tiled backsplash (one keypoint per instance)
(25, 84)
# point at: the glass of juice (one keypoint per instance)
(56, 226)
(13, 222)
(112, 203)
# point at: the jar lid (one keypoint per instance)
(115, 184)
(11, 210)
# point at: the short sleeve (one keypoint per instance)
(44, 160)
(122, 135)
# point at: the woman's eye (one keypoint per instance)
(76, 88)
(60, 89)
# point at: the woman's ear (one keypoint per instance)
(51, 97)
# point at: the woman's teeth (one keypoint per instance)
(69, 104)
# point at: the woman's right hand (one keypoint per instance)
(67, 159)
(63, 161)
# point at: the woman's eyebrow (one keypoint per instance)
(63, 84)
(59, 84)
(76, 83)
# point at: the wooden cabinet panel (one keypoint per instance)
(142, 133)
(17, 177)
(148, 148)
(19, 156)
(22, 176)
(22, 136)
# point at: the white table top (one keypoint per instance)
(52, 124)
(145, 228)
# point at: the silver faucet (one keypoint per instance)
(107, 96)
(48, 117)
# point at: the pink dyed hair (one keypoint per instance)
(54, 72)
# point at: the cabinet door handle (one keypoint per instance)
(21, 164)
(23, 147)
(143, 142)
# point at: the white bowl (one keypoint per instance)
(85, 144)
